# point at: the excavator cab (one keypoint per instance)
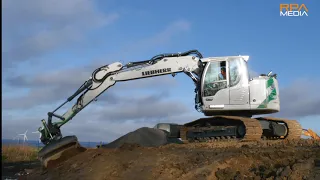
(227, 90)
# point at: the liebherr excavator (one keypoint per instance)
(223, 91)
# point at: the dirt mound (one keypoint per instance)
(145, 137)
(217, 160)
(66, 154)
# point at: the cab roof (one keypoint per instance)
(221, 58)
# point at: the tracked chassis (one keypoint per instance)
(240, 128)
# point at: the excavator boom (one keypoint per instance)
(106, 76)
(102, 79)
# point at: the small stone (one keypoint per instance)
(278, 172)
(286, 172)
(257, 178)
(301, 166)
(299, 161)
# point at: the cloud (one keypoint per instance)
(158, 40)
(166, 35)
(69, 77)
(147, 111)
(60, 84)
(35, 27)
(107, 131)
(108, 122)
(143, 110)
(129, 104)
(56, 85)
(299, 99)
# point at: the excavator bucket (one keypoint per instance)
(59, 151)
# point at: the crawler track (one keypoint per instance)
(294, 127)
(220, 128)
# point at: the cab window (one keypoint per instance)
(215, 78)
(234, 71)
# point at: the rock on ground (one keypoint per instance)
(145, 137)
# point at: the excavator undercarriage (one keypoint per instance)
(240, 128)
(209, 129)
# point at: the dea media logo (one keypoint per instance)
(293, 10)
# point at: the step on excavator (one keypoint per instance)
(224, 93)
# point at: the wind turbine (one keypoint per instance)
(39, 135)
(24, 136)
(15, 137)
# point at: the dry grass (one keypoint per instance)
(15, 153)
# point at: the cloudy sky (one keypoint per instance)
(51, 47)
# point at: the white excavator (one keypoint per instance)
(224, 93)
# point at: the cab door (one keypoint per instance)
(238, 82)
(214, 88)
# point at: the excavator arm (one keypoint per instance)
(106, 76)
(310, 133)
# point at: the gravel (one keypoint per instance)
(145, 137)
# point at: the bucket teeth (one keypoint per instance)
(59, 151)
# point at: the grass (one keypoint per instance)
(15, 153)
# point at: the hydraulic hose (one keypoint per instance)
(177, 54)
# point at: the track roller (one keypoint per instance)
(291, 129)
(220, 128)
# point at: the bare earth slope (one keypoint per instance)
(216, 160)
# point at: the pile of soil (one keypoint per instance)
(216, 160)
(145, 137)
